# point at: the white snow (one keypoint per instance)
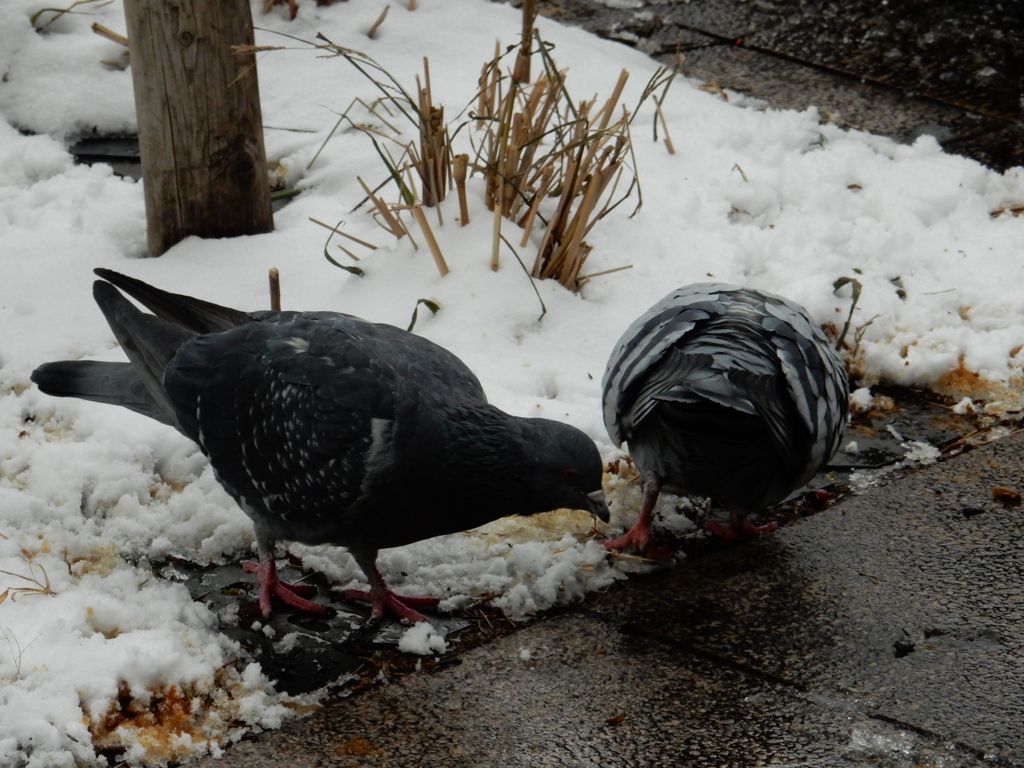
(861, 399)
(90, 493)
(422, 639)
(965, 407)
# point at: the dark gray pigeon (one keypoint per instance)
(724, 392)
(327, 429)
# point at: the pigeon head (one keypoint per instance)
(565, 469)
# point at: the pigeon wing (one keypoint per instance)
(643, 345)
(289, 414)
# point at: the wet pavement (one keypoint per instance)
(887, 630)
(951, 68)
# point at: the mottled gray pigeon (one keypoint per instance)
(724, 392)
(327, 429)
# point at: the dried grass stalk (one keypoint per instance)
(110, 34)
(460, 165)
(496, 232)
(391, 222)
(275, 290)
(434, 160)
(337, 231)
(521, 73)
(526, 222)
(372, 31)
(487, 97)
(428, 235)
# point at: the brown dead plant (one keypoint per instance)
(547, 159)
(549, 163)
(39, 583)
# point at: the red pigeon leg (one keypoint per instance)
(639, 536)
(381, 598)
(739, 528)
(270, 584)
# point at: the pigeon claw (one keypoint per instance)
(286, 592)
(738, 529)
(639, 537)
(402, 606)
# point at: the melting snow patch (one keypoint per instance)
(965, 407)
(920, 454)
(422, 639)
(861, 399)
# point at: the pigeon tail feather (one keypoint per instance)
(149, 341)
(189, 313)
(100, 382)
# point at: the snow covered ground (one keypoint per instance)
(89, 494)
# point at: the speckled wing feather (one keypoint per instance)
(296, 415)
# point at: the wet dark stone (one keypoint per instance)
(902, 648)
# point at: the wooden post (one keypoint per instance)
(204, 169)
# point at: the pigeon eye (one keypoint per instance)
(569, 474)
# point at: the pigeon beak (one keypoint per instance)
(598, 506)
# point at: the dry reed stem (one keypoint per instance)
(659, 115)
(496, 230)
(557, 224)
(394, 225)
(521, 72)
(110, 34)
(579, 222)
(488, 82)
(592, 275)
(348, 252)
(608, 109)
(398, 212)
(604, 177)
(538, 197)
(428, 235)
(435, 156)
(337, 231)
(275, 289)
(372, 32)
(460, 164)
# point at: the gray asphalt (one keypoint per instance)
(888, 630)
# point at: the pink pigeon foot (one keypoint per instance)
(381, 598)
(738, 529)
(269, 584)
(639, 536)
(402, 606)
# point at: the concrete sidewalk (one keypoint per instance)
(888, 631)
